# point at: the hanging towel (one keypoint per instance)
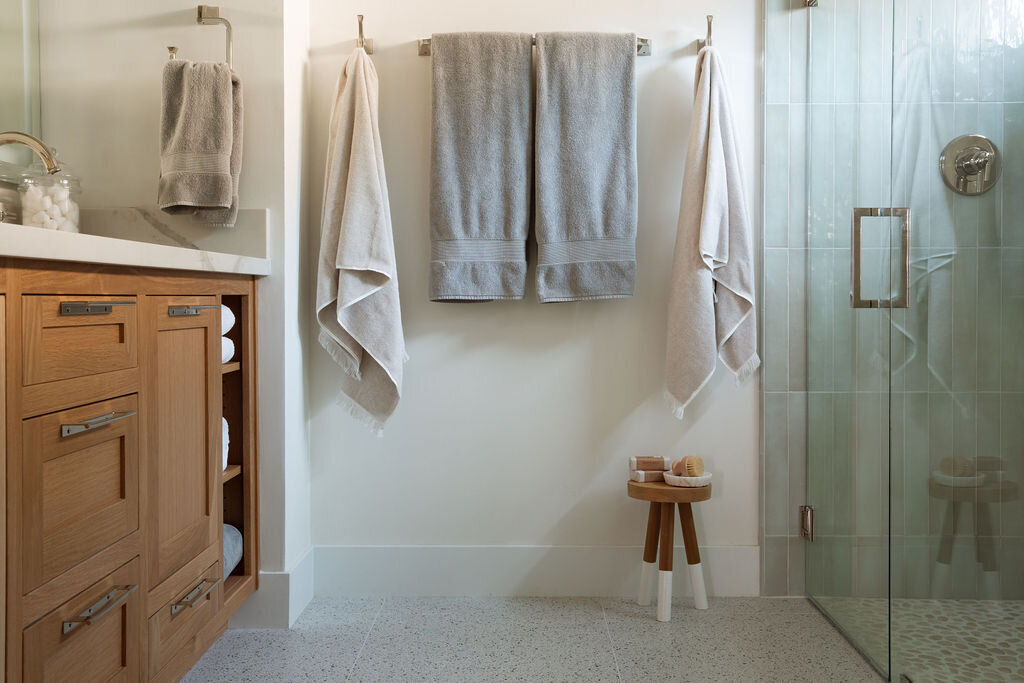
(357, 303)
(480, 165)
(585, 161)
(711, 295)
(200, 141)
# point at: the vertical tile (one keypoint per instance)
(776, 50)
(1013, 55)
(799, 38)
(820, 320)
(775, 320)
(897, 462)
(965, 424)
(842, 463)
(820, 453)
(1012, 444)
(798, 319)
(965, 209)
(821, 178)
(776, 464)
(989, 205)
(939, 330)
(797, 560)
(990, 57)
(776, 180)
(798, 176)
(943, 45)
(843, 322)
(916, 464)
(821, 83)
(873, 50)
(989, 319)
(1012, 319)
(940, 220)
(797, 459)
(847, 69)
(869, 458)
(1013, 164)
(967, 57)
(940, 435)
(844, 186)
(965, 320)
(774, 566)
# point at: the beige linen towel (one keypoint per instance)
(200, 141)
(357, 303)
(711, 299)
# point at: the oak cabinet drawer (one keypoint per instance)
(180, 619)
(73, 336)
(79, 485)
(94, 636)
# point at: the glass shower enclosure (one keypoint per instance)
(905, 186)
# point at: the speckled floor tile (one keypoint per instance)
(498, 639)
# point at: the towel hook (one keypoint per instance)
(172, 51)
(365, 43)
(707, 40)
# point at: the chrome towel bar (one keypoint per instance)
(643, 46)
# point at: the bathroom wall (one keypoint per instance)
(100, 70)
(504, 469)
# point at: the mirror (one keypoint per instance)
(19, 77)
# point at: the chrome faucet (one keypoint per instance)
(34, 144)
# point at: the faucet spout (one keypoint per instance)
(36, 145)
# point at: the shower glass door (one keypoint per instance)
(915, 349)
(856, 288)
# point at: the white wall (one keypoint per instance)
(517, 418)
(100, 71)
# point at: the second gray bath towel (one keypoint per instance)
(480, 166)
(585, 163)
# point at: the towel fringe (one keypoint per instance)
(359, 414)
(342, 357)
(747, 370)
(677, 407)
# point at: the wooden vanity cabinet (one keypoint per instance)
(116, 491)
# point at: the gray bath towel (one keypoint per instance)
(480, 165)
(200, 141)
(357, 304)
(585, 164)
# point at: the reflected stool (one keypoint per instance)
(660, 532)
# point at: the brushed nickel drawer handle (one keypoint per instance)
(189, 310)
(91, 307)
(94, 422)
(194, 597)
(100, 608)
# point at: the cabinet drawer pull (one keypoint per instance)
(94, 422)
(191, 309)
(100, 608)
(91, 307)
(195, 596)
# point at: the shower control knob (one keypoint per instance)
(970, 165)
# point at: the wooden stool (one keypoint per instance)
(660, 522)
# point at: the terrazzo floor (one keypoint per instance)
(580, 639)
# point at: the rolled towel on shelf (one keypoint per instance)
(227, 319)
(233, 545)
(227, 350)
(225, 439)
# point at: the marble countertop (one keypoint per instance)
(19, 241)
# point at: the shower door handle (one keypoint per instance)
(902, 299)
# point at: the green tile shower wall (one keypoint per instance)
(824, 370)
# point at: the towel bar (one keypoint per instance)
(643, 46)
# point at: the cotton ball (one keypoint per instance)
(38, 219)
(34, 192)
(54, 212)
(49, 223)
(47, 202)
(60, 193)
(63, 205)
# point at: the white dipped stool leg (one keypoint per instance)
(664, 595)
(700, 594)
(646, 582)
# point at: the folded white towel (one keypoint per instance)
(227, 319)
(711, 297)
(357, 303)
(227, 350)
(225, 440)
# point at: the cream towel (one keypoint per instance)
(357, 303)
(711, 300)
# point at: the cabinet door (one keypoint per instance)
(183, 408)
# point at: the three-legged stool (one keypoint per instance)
(660, 532)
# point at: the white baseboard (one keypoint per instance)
(543, 571)
(280, 599)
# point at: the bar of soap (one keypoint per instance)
(690, 466)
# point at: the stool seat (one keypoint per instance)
(664, 499)
(660, 492)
